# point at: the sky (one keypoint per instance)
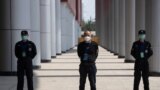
(88, 9)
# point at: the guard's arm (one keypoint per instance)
(150, 51)
(34, 51)
(17, 54)
(133, 51)
(97, 50)
(79, 50)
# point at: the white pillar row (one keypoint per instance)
(148, 24)
(98, 18)
(58, 27)
(100, 22)
(71, 22)
(77, 26)
(154, 34)
(35, 30)
(101, 29)
(110, 27)
(140, 16)
(122, 29)
(130, 28)
(68, 29)
(15, 17)
(113, 26)
(102, 25)
(53, 28)
(64, 26)
(5, 37)
(116, 41)
(45, 26)
(73, 31)
(106, 23)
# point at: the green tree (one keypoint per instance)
(88, 25)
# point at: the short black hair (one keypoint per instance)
(24, 32)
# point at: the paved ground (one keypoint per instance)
(62, 74)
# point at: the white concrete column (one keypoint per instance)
(70, 33)
(68, 28)
(5, 37)
(110, 27)
(45, 16)
(148, 19)
(15, 17)
(130, 28)
(98, 18)
(77, 26)
(35, 30)
(64, 26)
(155, 34)
(106, 23)
(53, 28)
(140, 16)
(113, 26)
(116, 39)
(20, 20)
(73, 31)
(122, 29)
(101, 25)
(58, 27)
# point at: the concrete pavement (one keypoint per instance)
(62, 74)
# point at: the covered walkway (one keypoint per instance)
(62, 74)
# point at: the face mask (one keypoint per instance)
(25, 37)
(87, 38)
(142, 37)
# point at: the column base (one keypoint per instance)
(116, 54)
(112, 52)
(108, 50)
(36, 67)
(129, 61)
(45, 61)
(63, 51)
(53, 56)
(154, 74)
(3, 73)
(59, 54)
(121, 56)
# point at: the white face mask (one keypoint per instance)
(87, 38)
(142, 37)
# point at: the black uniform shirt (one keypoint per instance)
(88, 52)
(27, 47)
(139, 47)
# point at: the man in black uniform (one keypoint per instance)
(141, 51)
(25, 51)
(88, 52)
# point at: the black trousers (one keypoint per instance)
(24, 67)
(90, 71)
(141, 70)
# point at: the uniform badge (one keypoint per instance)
(146, 51)
(30, 49)
(23, 54)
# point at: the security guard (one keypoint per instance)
(141, 51)
(25, 51)
(88, 52)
